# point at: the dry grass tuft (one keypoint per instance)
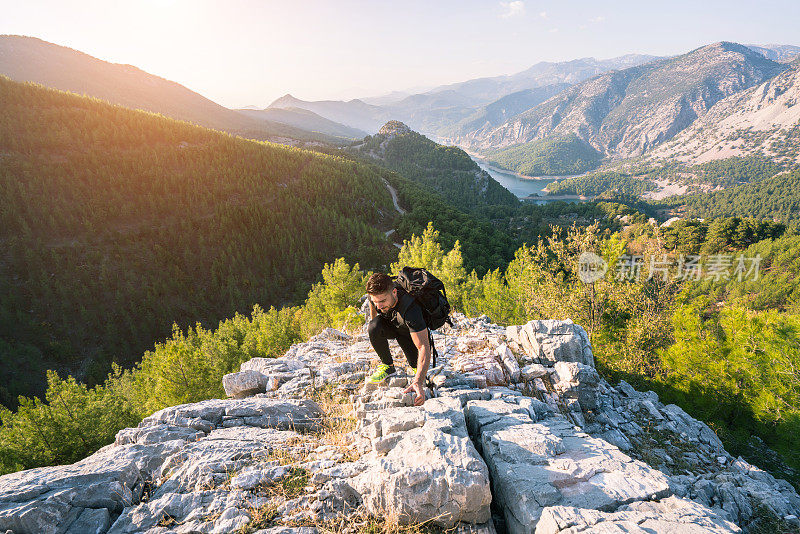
(360, 522)
(337, 421)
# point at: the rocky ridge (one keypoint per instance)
(519, 434)
(761, 121)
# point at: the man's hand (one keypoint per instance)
(416, 387)
(423, 362)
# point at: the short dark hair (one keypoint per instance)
(379, 283)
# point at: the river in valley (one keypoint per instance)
(521, 187)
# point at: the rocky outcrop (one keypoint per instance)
(540, 463)
(672, 515)
(393, 128)
(519, 434)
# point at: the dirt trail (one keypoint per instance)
(400, 210)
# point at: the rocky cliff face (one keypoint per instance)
(519, 434)
(627, 112)
(761, 121)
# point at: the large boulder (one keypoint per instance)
(551, 341)
(244, 384)
(51, 499)
(431, 471)
(576, 381)
(535, 464)
(206, 478)
(672, 515)
(263, 412)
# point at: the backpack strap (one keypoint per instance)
(406, 300)
(434, 353)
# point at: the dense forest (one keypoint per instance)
(115, 223)
(558, 156)
(776, 197)
(606, 183)
(693, 236)
(733, 171)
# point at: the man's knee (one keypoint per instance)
(374, 326)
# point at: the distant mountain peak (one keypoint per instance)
(394, 128)
(726, 46)
(285, 101)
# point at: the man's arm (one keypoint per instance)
(373, 311)
(420, 339)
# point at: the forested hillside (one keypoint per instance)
(552, 157)
(114, 223)
(447, 170)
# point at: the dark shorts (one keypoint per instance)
(381, 330)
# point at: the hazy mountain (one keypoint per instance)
(776, 52)
(30, 59)
(394, 96)
(496, 113)
(627, 112)
(306, 120)
(354, 113)
(763, 120)
(439, 110)
(482, 91)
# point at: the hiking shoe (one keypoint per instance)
(382, 373)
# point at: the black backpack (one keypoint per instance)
(429, 292)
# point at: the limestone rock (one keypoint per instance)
(484, 362)
(244, 383)
(282, 414)
(509, 362)
(538, 464)
(551, 341)
(671, 515)
(577, 381)
(431, 473)
(550, 433)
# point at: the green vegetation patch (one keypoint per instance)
(606, 184)
(558, 156)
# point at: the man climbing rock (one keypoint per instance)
(394, 314)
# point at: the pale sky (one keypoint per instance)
(249, 52)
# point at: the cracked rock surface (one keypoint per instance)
(519, 433)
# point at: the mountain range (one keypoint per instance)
(440, 109)
(717, 101)
(626, 112)
(25, 58)
(620, 107)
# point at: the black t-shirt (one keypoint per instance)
(411, 318)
